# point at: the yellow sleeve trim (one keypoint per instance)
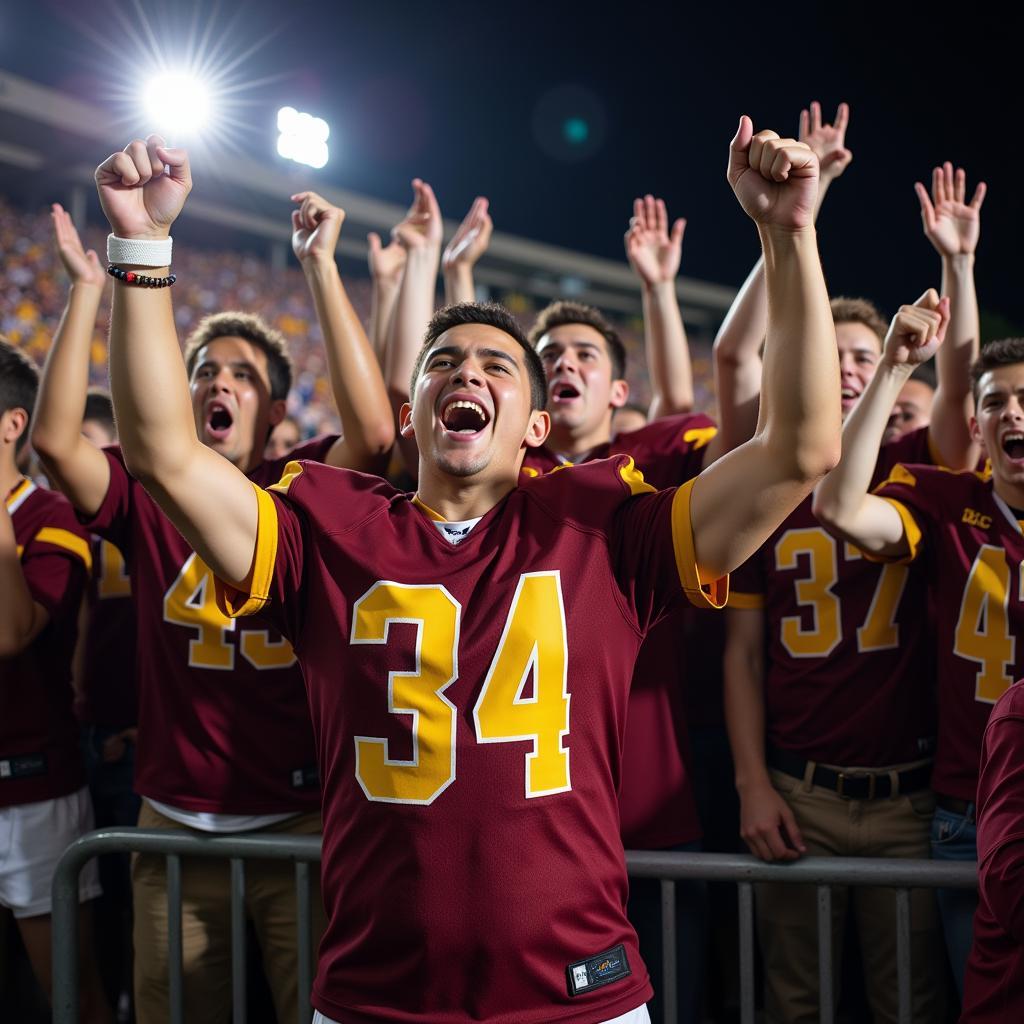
(254, 592)
(700, 436)
(746, 602)
(634, 479)
(292, 471)
(69, 541)
(898, 475)
(911, 531)
(529, 471)
(703, 595)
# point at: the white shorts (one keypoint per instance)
(637, 1016)
(32, 839)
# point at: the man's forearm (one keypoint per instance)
(382, 309)
(840, 497)
(742, 673)
(954, 404)
(458, 284)
(57, 425)
(668, 351)
(800, 414)
(355, 375)
(413, 311)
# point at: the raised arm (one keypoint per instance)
(420, 236)
(213, 504)
(368, 429)
(76, 466)
(740, 499)
(386, 262)
(843, 503)
(953, 226)
(654, 253)
(737, 348)
(767, 824)
(460, 255)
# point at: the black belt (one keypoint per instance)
(852, 785)
(965, 808)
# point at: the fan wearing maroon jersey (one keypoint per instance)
(994, 981)
(585, 365)
(961, 532)
(44, 802)
(209, 757)
(828, 663)
(472, 863)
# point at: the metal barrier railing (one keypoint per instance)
(670, 867)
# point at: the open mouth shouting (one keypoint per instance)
(219, 421)
(562, 392)
(463, 418)
(1013, 446)
(849, 397)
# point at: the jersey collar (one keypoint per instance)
(19, 494)
(1008, 512)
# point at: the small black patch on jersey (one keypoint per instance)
(24, 766)
(595, 971)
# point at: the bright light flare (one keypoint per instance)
(303, 137)
(177, 104)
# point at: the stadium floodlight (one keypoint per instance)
(177, 104)
(303, 137)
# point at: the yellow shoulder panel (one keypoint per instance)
(700, 436)
(292, 471)
(69, 541)
(634, 479)
(746, 602)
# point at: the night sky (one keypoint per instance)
(467, 95)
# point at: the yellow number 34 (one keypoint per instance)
(532, 644)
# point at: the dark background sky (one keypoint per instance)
(450, 91)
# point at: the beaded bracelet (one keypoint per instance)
(142, 280)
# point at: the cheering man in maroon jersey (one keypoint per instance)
(210, 757)
(44, 803)
(472, 864)
(961, 532)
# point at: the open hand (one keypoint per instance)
(951, 224)
(768, 826)
(83, 267)
(470, 242)
(386, 262)
(422, 227)
(653, 252)
(827, 140)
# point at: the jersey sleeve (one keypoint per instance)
(56, 562)
(919, 494)
(653, 550)
(308, 504)
(113, 517)
(915, 447)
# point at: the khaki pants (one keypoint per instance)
(787, 914)
(206, 927)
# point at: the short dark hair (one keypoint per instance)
(925, 374)
(252, 328)
(859, 311)
(19, 385)
(100, 409)
(1004, 352)
(565, 312)
(492, 315)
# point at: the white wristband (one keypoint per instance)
(139, 252)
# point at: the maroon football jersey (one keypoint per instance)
(656, 801)
(969, 547)
(204, 743)
(994, 981)
(849, 677)
(39, 752)
(469, 703)
(107, 695)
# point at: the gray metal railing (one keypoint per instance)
(822, 872)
